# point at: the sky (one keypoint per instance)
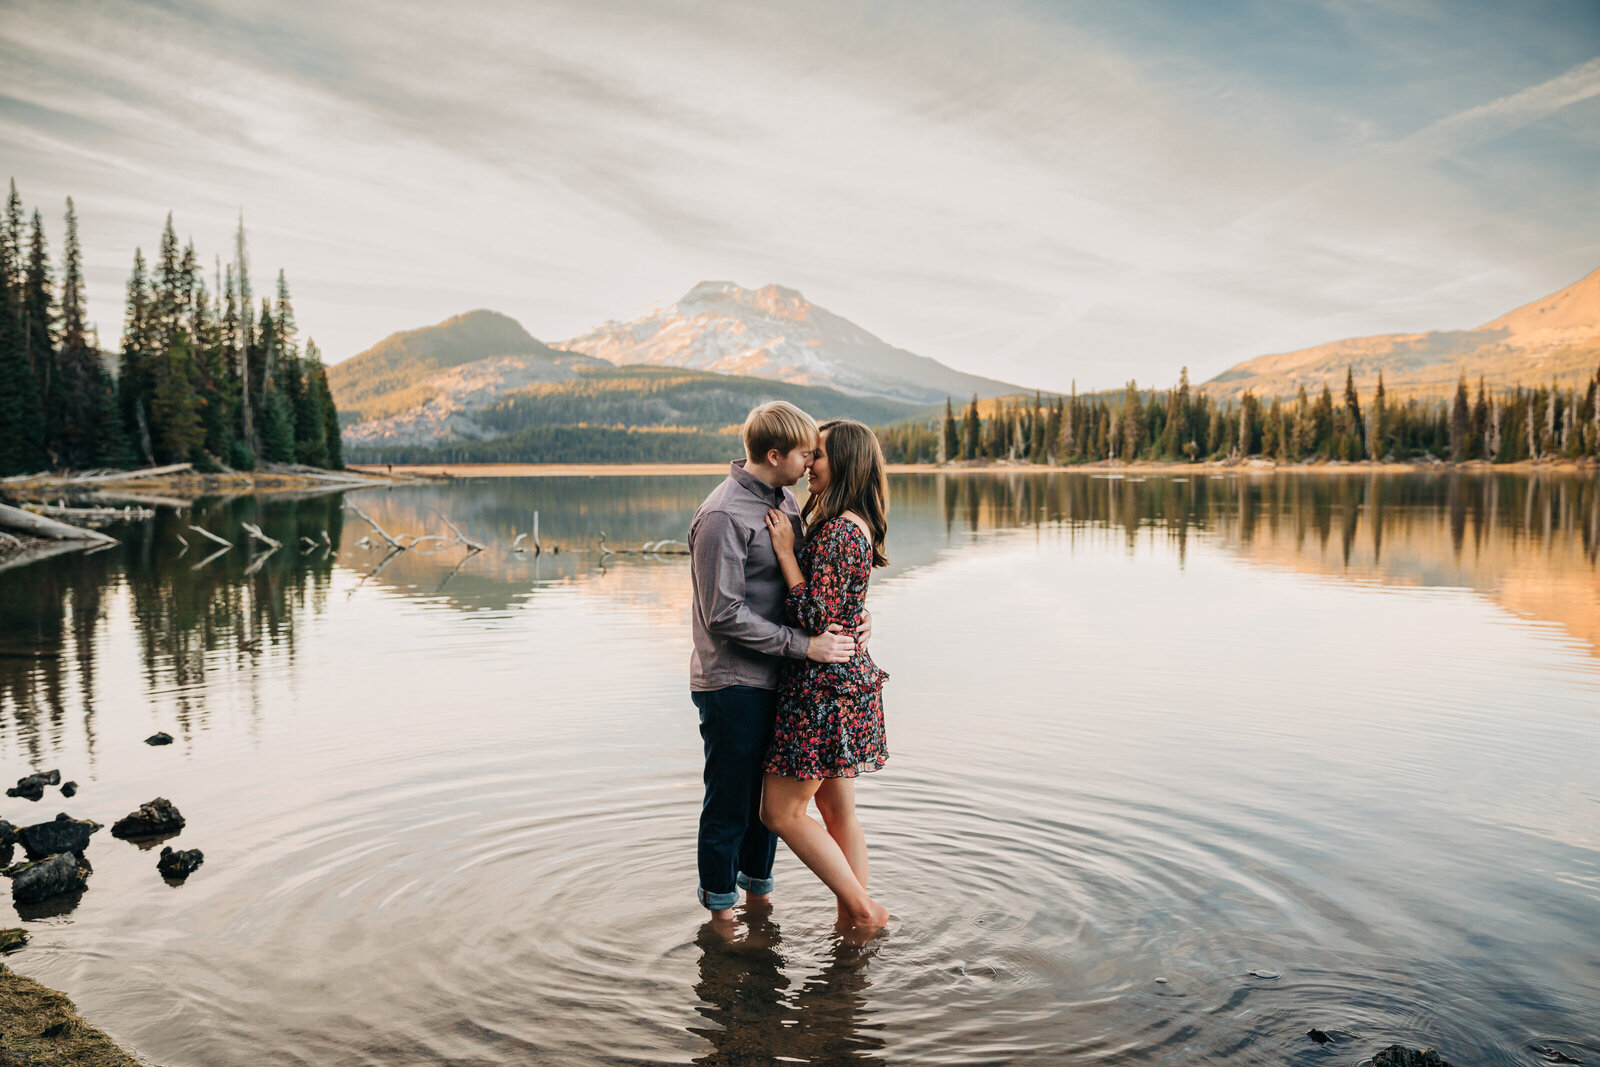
(1047, 193)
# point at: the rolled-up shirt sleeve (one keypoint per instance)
(719, 569)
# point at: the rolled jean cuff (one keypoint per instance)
(716, 901)
(758, 886)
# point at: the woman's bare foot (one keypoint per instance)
(759, 901)
(870, 917)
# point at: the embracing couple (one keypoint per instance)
(791, 706)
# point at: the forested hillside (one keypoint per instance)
(685, 416)
(391, 376)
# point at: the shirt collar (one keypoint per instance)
(772, 494)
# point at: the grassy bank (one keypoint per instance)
(40, 1027)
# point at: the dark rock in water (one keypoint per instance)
(13, 938)
(32, 787)
(62, 834)
(159, 816)
(33, 882)
(181, 864)
(69, 789)
(8, 833)
(1554, 1055)
(1401, 1056)
(1318, 1036)
(161, 738)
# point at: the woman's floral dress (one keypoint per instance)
(830, 715)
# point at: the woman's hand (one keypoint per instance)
(782, 531)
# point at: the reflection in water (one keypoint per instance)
(742, 992)
(198, 610)
(1154, 734)
(1529, 542)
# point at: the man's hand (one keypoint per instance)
(832, 646)
(863, 630)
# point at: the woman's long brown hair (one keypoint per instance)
(856, 482)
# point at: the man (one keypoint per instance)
(740, 641)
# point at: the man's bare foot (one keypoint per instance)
(758, 900)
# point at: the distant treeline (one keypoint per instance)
(211, 381)
(1182, 423)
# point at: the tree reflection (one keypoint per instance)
(191, 620)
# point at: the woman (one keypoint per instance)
(830, 715)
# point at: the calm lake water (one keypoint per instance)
(1181, 768)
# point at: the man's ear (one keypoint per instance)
(774, 457)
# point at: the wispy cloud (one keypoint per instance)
(1037, 192)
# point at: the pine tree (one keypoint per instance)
(310, 421)
(244, 340)
(175, 425)
(1378, 441)
(21, 406)
(136, 377)
(1322, 423)
(166, 300)
(83, 388)
(1460, 419)
(1352, 409)
(1478, 426)
(1052, 432)
(277, 427)
(970, 430)
(1244, 438)
(1131, 423)
(950, 442)
(38, 310)
(330, 415)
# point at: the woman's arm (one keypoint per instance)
(813, 604)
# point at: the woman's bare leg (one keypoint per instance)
(836, 802)
(783, 809)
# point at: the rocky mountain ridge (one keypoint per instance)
(1555, 338)
(775, 332)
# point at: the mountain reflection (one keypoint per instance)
(1529, 542)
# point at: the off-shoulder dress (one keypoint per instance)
(830, 715)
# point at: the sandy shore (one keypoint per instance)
(599, 470)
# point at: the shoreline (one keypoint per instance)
(404, 472)
(40, 1025)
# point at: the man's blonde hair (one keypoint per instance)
(777, 424)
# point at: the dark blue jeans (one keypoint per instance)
(735, 849)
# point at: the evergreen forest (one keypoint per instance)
(201, 377)
(1183, 423)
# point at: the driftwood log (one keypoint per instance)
(129, 476)
(255, 531)
(203, 532)
(379, 530)
(461, 537)
(39, 526)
